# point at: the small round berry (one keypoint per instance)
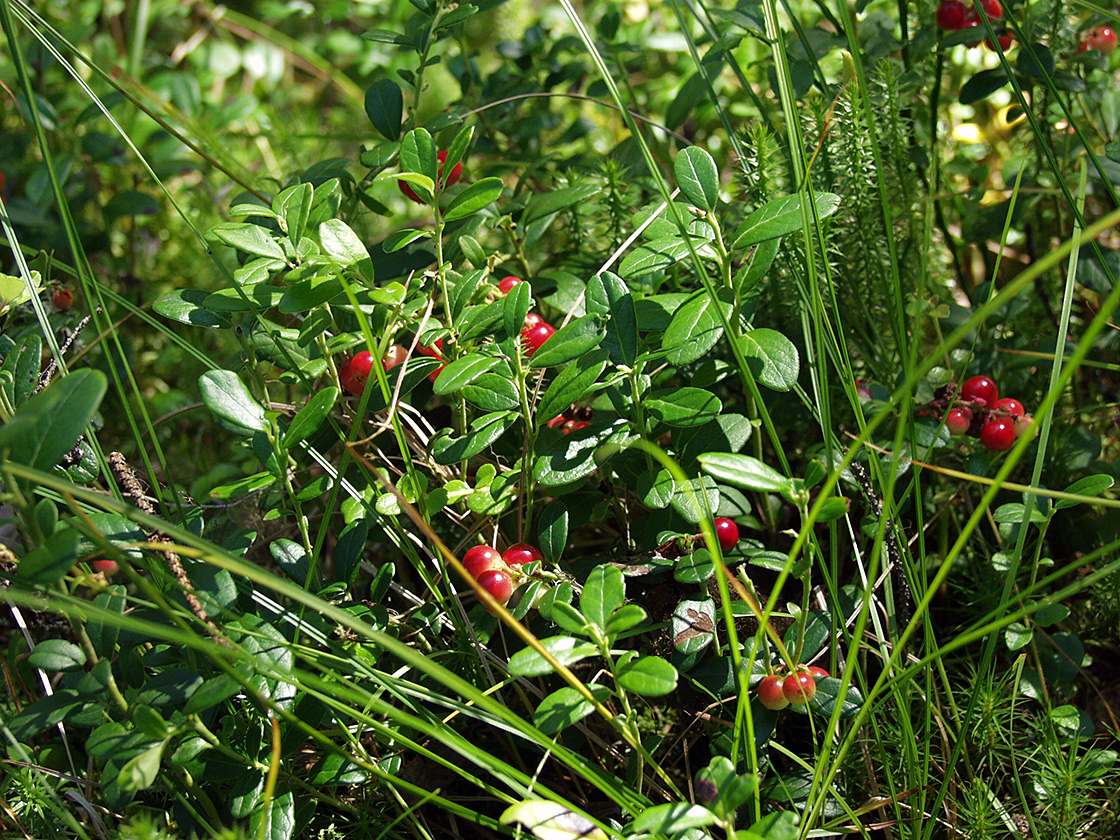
(817, 672)
(507, 283)
(481, 558)
(998, 434)
(531, 320)
(951, 15)
(981, 390)
(770, 693)
(436, 352)
(993, 8)
(354, 372)
(1005, 42)
(105, 567)
(1102, 38)
(727, 532)
(63, 299)
(1010, 407)
(498, 583)
(958, 420)
(1023, 425)
(574, 426)
(533, 338)
(799, 688)
(519, 554)
(558, 422)
(393, 357)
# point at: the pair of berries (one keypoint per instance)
(535, 333)
(1101, 38)
(775, 692)
(567, 425)
(354, 373)
(492, 568)
(979, 409)
(455, 174)
(953, 15)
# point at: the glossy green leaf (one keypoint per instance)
(294, 206)
(696, 327)
(385, 107)
(609, 296)
(721, 789)
(250, 239)
(552, 821)
(311, 416)
(573, 456)
(982, 85)
(780, 217)
(492, 392)
(403, 238)
(527, 662)
(565, 707)
(464, 371)
(693, 625)
(44, 713)
(697, 177)
(1090, 485)
(515, 308)
(683, 407)
(828, 695)
(654, 256)
(671, 818)
(772, 358)
(186, 307)
(1017, 636)
(624, 618)
(750, 276)
(542, 205)
(483, 432)
(696, 567)
(818, 630)
(418, 154)
(474, 198)
(230, 402)
(552, 530)
(57, 655)
(570, 342)
(571, 385)
(744, 471)
(277, 821)
(341, 243)
(649, 676)
(47, 425)
(603, 593)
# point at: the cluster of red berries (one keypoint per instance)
(1101, 38)
(776, 692)
(453, 177)
(953, 15)
(978, 410)
(495, 570)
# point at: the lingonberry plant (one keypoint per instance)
(780, 257)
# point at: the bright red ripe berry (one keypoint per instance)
(354, 372)
(993, 8)
(799, 688)
(531, 320)
(508, 283)
(958, 420)
(394, 356)
(436, 352)
(63, 299)
(1005, 42)
(533, 338)
(498, 583)
(557, 422)
(980, 389)
(519, 554)
(998, 434)
(481, 558)
(456, 173)
(727, 532)
(1102, 38)
(770, 693)
(574, 426)
(817, 673)
(1009, 406)
(952, 15)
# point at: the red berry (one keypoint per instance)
(981, 390)
(1009, 406)
(354, 372)
(958, 420)
(394, 356)
(952, 15)
(521, 553)
(799, 688)
(481, 558)
(993, 8)
(557, 422)
(817, 673)
(436, 352)
(508, 283)
(1102, 38)
(770, 693)
(531, 320)
(727, 532)
(1005, 42)
(574, 426)
(63, 299)
(533, 338)
(456, 173)
(998, 434)
(498, 583)
(107, 567)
